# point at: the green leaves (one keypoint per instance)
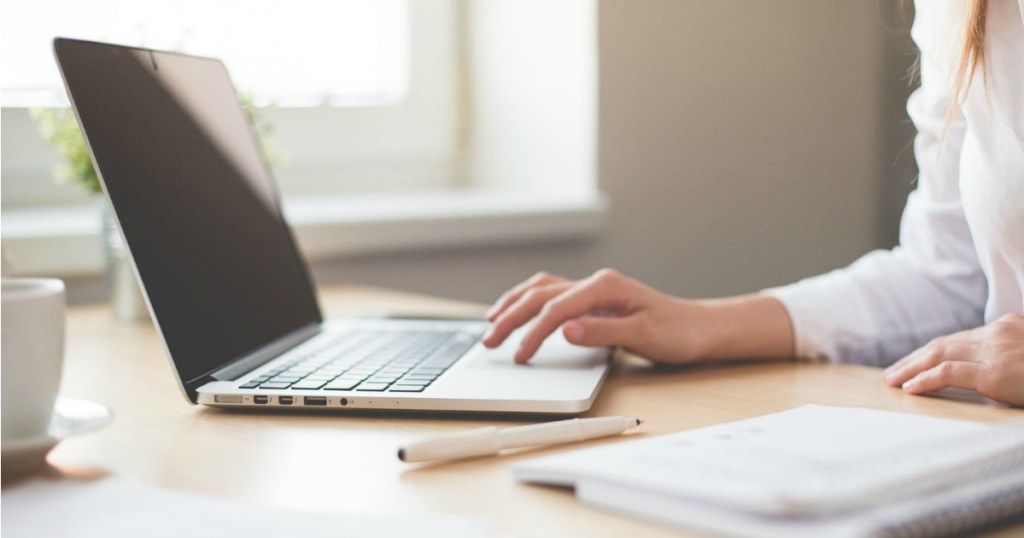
(59, 127)
(275, 154)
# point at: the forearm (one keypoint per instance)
(610, 309)
(746, 327)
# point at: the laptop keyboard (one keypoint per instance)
(371, 361)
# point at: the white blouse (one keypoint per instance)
(960, 262)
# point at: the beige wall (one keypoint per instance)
(743, 144)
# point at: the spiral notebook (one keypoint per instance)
(809, 471)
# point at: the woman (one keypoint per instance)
(943, 309)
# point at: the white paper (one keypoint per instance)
(112, 508)
(977, 503)
(807, 472)
(767, 464)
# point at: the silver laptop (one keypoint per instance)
(231, 297)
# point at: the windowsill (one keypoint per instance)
(65, 241)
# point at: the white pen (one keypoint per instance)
(491, 440)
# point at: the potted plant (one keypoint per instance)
(59, 127)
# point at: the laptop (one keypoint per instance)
(229, 293)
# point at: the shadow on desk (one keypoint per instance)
(49, 472)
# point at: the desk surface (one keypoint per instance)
(347, 464)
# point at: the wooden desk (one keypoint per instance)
(347, 464)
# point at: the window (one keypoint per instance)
(490, 105)
(346, 52)
(362, 92)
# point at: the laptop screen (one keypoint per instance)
(194, 198)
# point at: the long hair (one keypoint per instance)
(972, 53)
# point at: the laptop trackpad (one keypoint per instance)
(556, 354)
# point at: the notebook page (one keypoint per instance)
(767, 464)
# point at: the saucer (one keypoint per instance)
(71, 416)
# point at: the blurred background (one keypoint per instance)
(455, 147)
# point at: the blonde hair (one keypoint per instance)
(972, 53)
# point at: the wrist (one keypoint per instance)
(746, 327)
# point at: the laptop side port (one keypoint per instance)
(285, 400)
(261, 399)
(315, 400)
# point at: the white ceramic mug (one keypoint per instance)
(32, 357)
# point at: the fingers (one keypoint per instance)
(926, 357)
(510, 297)
(943, 362)
(987, 360)
(605, 291)
(958, 374)
(600, 332)
(551, 301)
(529, 304)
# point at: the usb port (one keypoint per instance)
(261, 399)
(315, 400)
(285, 400)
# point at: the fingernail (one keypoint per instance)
(908, 385)
(488, 334)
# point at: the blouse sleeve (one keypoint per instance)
(890, 302)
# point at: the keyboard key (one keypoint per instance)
(428, 377)
(343, 384)
(407, 388)
(375, 387)
(441, 362)
(408, 381)
(250, 385)
(309, 384)
(454, 349)
(412, 359)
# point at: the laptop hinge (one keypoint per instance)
(266, 353)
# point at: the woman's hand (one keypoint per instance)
(609, 309)
(606, 309)
(988, 360)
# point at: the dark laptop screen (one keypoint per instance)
(195, 201)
